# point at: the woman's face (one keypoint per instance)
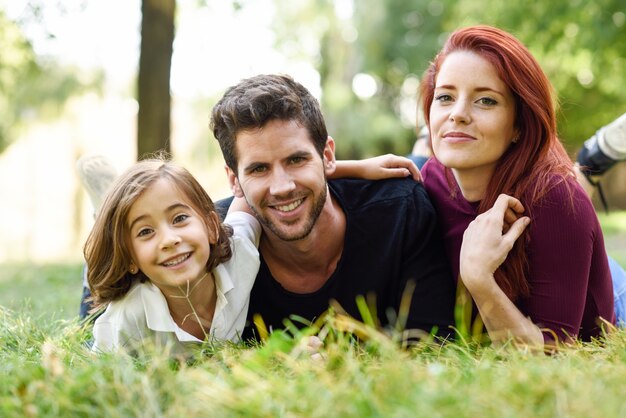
(472, 116)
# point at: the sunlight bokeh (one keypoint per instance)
(45, 213)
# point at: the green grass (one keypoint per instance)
(614, 228)
(46, 369)
(50, 290)
(52, 373)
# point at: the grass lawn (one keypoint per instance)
(53, 291)
(614, 228)
(48, 370)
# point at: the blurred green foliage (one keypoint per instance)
(581, 45)
(31, 86)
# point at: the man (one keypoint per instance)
(327, 242)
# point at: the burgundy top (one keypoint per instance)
(569, 276)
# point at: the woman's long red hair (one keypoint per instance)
(538, 161)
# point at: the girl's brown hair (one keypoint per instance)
(106, 249)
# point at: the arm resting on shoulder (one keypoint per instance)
(377, 168)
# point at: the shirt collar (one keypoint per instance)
(158, 317)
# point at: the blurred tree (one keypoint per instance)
(389, 43)
(31, 86)
(581, 45)
(370, 57)
(397, 39)
(153, 93)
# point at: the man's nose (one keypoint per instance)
(282, 182)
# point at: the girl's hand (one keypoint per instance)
(378, 168)
(488, 240)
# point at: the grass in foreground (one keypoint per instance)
(53, 373)
(47, 370)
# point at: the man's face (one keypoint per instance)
(282, 177)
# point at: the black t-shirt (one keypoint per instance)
(391, 237)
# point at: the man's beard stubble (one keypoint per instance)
(318, 206)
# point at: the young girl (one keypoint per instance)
(165, 266)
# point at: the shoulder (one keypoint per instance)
(435, 179)
(564, 204)
(398, 205)
(241, 269)
(358, 193)
(432, 167)
(123, 320)
(127, 309)
(565, 196)
(245, 227)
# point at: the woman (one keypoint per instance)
(490, 111)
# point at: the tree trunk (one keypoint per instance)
(157, 37)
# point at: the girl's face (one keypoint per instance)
(472, 116)
(168, 238)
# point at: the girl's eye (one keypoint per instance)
(487, 101)
(443, 98)
(144, 231)
(180, 218)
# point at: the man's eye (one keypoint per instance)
(296, 160)
(259, 169)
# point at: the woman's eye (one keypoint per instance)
(487, 101)
(180, 218)
(443, 98)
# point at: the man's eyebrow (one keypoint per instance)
(300, 154)
(252, 166)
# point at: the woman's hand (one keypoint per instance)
(486, 243)
(488, 240)
(377, 168)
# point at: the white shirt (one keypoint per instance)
(143, 312)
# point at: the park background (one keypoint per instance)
(68, 83)
(69, 86)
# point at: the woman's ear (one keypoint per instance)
(516, 136)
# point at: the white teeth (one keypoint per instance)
(289, 207)
(177, 260)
